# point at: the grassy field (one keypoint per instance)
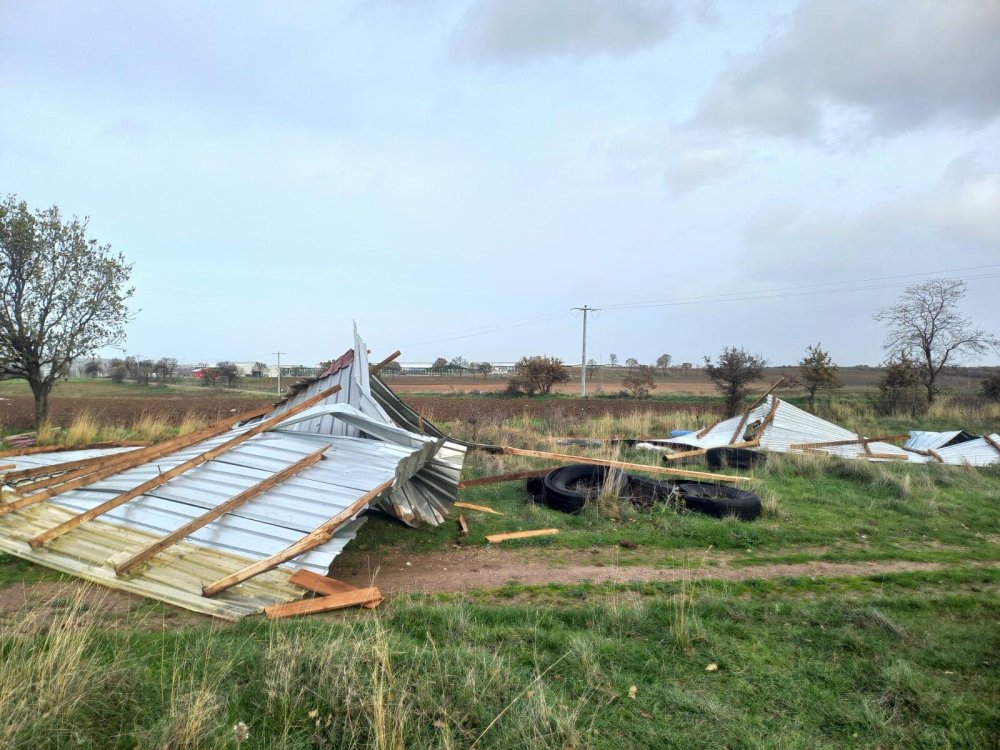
(890, 639)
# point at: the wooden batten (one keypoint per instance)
(324, 603)
(218, 511)
(325, 585)
(625, 466)
(498, 478)
(495, 538)
(480, 508)
(321, 535)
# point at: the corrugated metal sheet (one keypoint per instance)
(793, 426)
(263, 526)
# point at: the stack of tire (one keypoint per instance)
(569, 488)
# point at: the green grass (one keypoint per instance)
(827, 509)
(904, 661)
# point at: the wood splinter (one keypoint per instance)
(494, 538)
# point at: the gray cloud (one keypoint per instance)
(895, 63)
(954, 223)
(523, 30)
(694, 167)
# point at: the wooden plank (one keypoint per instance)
(989, 439)
(63, 448)
(625, 466)
(702, 451)
(323, 603)
(836, 443)
(218, 511)
(43, 471)
(121, 462)
(480, 508)
(704, 431)
(325, 585)
(494, 538)
(376, 368)
(166, 476)
(929, 453)
(321, 535)
(510, 477)
(463, 527)
(884, 456)
(4, 467)
(754, 405)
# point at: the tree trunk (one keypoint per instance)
(40, 390)
(930, 392)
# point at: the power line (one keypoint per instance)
(827, 287)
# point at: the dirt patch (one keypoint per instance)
(466, 570)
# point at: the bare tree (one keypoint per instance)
(640, 381)
(817, 372)
(613, 360)
(631, 363)
(733, 374)
(663, 362)
(62, 296)
(925, 325)
(591, 367)
(166, 368)
(459, 363)
(259, 369)
(439, 366)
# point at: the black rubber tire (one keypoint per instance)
(719, 501)
(735, 458)
(568, 488)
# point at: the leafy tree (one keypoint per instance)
(93, 368)
(209, 375)
(117, 371)
(165, 368)
(535, 376)
(640, 381)
(62, 296)
(613, 360)
(324, 365)
(439, 366)
(663, 362)
(631, 363)
(735, 370)
(228, 372)
(927, 328)
(818, 372)
(991, 386)
(686, 367)
(484, 368)
(899, 388)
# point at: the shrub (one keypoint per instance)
(535, 376)
(991, 386)
(640, 381)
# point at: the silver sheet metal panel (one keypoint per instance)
(793, 426)
(38, 460)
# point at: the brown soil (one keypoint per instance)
(18, 412)
(460, 409)
(470, 569)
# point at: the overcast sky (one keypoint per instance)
(456, 176)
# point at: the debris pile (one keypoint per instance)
(211, 521)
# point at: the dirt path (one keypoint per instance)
(465, 570)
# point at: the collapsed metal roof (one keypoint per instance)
(217, 524)
(776, 425)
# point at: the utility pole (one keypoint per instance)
(279, 369)
(583, 357)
